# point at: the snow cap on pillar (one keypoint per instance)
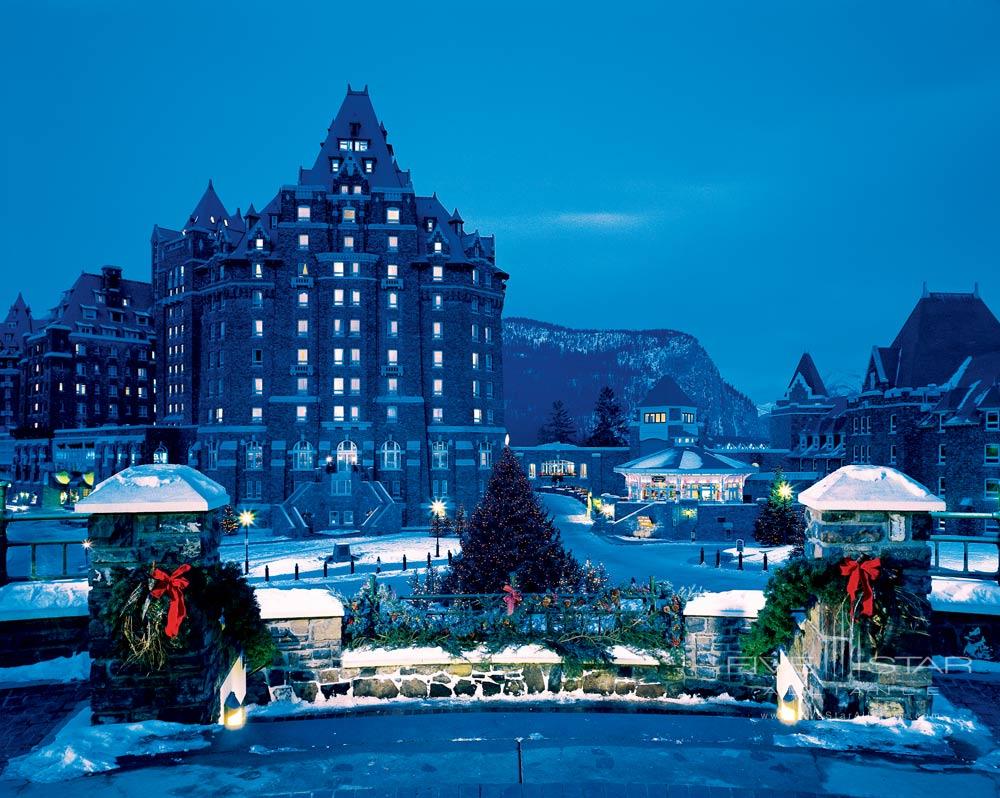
(155, 488)
(870, 488)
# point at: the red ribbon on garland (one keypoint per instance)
(861, 575)
(172, 585)
(511, 599)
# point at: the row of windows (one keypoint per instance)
(342, 413)
(345, 458)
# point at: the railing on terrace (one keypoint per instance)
(968, 567)
(65, 548)
(991, 571)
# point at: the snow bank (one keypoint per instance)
(60, 669)
(728, 603)
(318, 602)
(869, 487)
(956, 594)
(79, 748)
(526, 655)
(31, 600)
(155, 488)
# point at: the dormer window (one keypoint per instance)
(993, 420)
(437, 246)
(350, 214)
(348, 242)
(335, 165)
(392, 215)
(344, 189)
(429, 223)
(304, 213)
(303, 241)
(393, 242)
(259, 244)
(369, 165)
(357, 189)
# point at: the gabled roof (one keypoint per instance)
(809, 374)
(666, 392)
(942, 330)
(684, 459)
(870, 487)
(357, 111)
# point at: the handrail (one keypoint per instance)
(34, 546)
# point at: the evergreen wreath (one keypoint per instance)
(898, 614)
(139, 614)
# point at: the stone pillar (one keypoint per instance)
(862, 512)
(162, 514)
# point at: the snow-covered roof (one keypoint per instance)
(684, 459)
(870, 487)
(156, 488)
(305, 602)
(728, 603)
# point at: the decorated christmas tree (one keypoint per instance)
(610, 426)
(559, 428)
(780, 523)
(509, 534)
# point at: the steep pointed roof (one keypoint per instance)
(942, 330)
(666, 392)
(356, 121)
(17, 323)
(209, 213)
(809, 374)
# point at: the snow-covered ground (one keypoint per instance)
(60, 669)
(570, 745)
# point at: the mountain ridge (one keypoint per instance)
(545, 361)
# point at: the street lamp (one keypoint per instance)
(438, 510)
(785, 491)
(246, 521)
(87, 545)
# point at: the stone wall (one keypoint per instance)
(25, 642)
(714, 661)
(309, 652)
(360, 676)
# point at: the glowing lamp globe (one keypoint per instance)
(247, 518)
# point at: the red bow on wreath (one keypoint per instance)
(172, 585)
(861, 575)
(511, 599)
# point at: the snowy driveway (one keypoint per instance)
(676, 562)
(421, 753)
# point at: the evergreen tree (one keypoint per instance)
(779, 522)
(610, 426)
(509, 534)
(559, 428)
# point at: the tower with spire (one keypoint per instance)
(337, 352)
(14, 327)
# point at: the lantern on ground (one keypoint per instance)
(789, 707)
(233, 713)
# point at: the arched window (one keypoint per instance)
(486, 455)
(392, 456)
(303, 456)
(347, 455)
(160, 455)
(439, 455)
(255, 456)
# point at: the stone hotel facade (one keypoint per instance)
(334, 358)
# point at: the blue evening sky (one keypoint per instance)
(770, 176)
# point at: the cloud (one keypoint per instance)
(599, 220)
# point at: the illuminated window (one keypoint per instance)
(392, 215)
(349, 214)
(304, 213)
(437, 273)
(303, 241)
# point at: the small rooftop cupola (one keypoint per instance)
(111, 278)
(252, 216)
(456, 222)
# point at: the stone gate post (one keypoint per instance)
(862, 512)
(146, 515)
